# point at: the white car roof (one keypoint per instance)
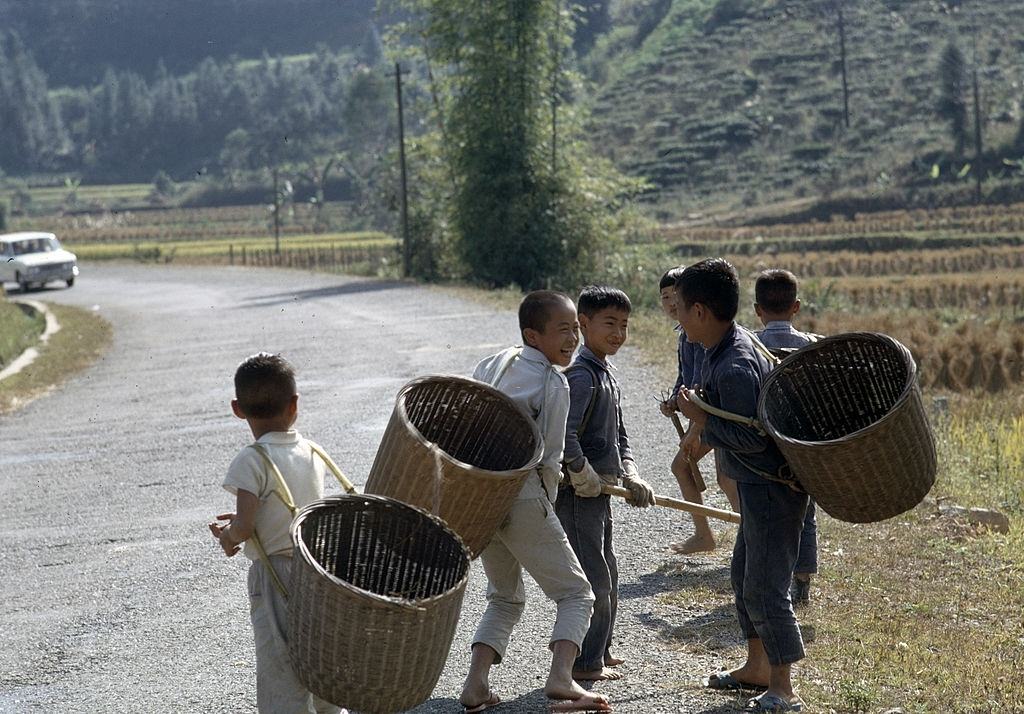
(25, 235)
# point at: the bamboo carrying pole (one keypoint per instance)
(678, 504)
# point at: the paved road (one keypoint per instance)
(115, 599)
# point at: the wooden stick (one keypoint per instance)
(695, 474)
(678, 504)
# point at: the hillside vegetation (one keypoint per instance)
(739, 102)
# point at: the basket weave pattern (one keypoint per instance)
(473, 438)
(847, 414)
(375, 594)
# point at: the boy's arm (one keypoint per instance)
(738, 390)
(242, 523)
(581, 391)
(625, 453)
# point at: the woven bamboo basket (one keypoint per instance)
(458, 448)
(846, 412)
(376, 589)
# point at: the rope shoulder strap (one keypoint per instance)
(281, 490)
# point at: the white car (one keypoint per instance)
(34, 259)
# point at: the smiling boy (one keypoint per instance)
(596, 453)
(531, 537)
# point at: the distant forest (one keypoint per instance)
(75, 41)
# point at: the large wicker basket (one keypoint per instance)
(459, 448)
(846, 413)
(376, 589)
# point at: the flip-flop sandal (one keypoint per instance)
(772, 703)
(492, 700)
(726, 682)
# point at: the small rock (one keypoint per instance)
(989, 517)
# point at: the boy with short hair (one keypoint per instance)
(266, 398)
(772, 512)
(531, 538)
(690, 356)
(776, 302)
(597, 452)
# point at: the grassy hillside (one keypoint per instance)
(738, 102)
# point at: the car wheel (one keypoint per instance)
(23, 284)
(70, 281)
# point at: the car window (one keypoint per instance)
(34, 245)
(3, 249)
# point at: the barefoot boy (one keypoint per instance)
(265, 397)
(597, 452)
(772, 512)
(531, 538)
(776, 304)
(690, 358)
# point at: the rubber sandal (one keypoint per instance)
(724, 681)
(492, 700)
(772, 703)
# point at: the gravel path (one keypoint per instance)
(115, 598)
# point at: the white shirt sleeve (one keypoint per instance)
(246, 473)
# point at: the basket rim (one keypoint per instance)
(507, 474)
(300, 545)
(908, 388)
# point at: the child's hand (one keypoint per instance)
(691, 446)
(668, 408)
(220, 532)
(689, 408)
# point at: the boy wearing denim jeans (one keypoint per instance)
(597, 453)
(772, 513)
(776, 303)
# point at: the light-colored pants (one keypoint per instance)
(532, 538)
(278, 690)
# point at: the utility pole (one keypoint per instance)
(977, 123)
(406, 248)
(277, 212)
(842, 62)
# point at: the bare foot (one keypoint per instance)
(595, 675)
(610, 661)
(576, 699)
(694, 544)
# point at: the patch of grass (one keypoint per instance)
(19, 330)
(82, 339)
(208, 248)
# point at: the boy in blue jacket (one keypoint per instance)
(772, 512)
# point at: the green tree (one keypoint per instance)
(528, 204)
(952, 106)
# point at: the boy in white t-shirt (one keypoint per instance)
(266, 398)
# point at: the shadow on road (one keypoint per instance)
(353, 288)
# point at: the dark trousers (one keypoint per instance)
(588, 525)
(772, 518)
(807, 557)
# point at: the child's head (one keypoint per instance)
(604, 318)
(265, 391)
(547, 321)
(667, 290)
(709, 297)
(775, 295)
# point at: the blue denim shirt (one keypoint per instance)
(733, 372)
(781, 333)
(604, 440)
(691, 359)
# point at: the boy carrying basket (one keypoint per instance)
(531, 537)
(772, 512)
(265, 397)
